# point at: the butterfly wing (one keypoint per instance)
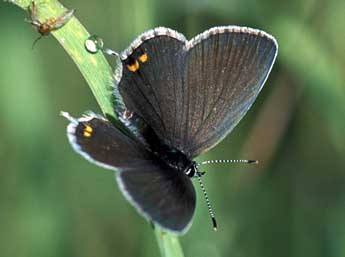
(193, 93)
(159, 193)
(100, 142)
(226, 68)
(150, 81)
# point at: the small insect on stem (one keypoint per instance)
(44, 28)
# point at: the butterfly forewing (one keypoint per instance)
(193, 93)
(225, 71)
(151, 81)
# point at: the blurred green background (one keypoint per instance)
(54, 203)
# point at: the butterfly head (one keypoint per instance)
(191, 170)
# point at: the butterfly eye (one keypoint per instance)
(190, 172)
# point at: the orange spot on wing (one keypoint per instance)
(87, 131)
(143, 57)
(133, 67)
(87, 134)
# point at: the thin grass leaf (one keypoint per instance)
(98, 75)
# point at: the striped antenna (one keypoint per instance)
(209, 207)
(228, 161)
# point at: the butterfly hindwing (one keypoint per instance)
(161, 194)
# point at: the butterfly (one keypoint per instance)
(176, 100)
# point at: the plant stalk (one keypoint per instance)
(98, 75)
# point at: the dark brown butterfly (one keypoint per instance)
(177, 99)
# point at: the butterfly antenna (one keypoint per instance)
(69, 117)
(209, 207)
(229, 161)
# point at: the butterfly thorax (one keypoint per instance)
(170, 156)
(175, 159)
